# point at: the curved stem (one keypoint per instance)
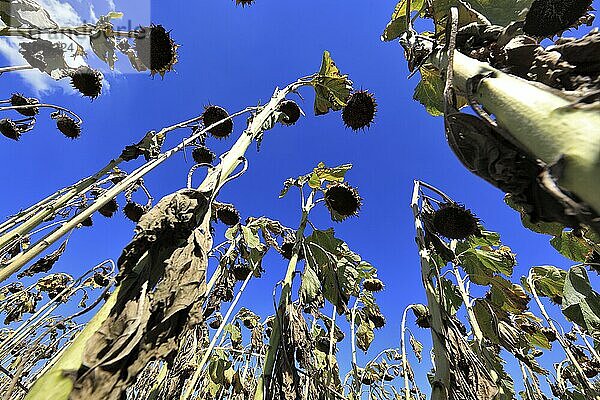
(15, 68)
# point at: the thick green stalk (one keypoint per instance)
(72, 358)
(546, 124)
(284, 300)
(441, 380)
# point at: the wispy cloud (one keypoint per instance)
(64, 15)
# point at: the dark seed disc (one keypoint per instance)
(551, 17)
(291, 112)
(455, 222)
(360, 110)
(214, 114)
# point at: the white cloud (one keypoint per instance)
(111, 5)
(93, 17)
(62, 13)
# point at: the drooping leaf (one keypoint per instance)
(549, 281)
(235, 334)
(571, 246)
(45, 263)
(547, 228)
(310, 286)
(25, 13)
(46, 56)
(150, 147)
(581, 304)
(452, 298)
(430, 91)
(365, 334)
(397, 24)
(508, 296)
(417, 347)
(332, 89)
(486, 320)
(104, 45)
(250, 237)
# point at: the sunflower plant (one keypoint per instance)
(535, 129)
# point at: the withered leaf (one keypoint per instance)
(45, 263)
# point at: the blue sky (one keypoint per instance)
(234, 57)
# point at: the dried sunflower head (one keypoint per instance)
(68, 126)
(240, 272)
(422, 315)
(214, 114)
(342, 200)
(87, 222)
(373, 285)
(291, 112)
(287, 247)
(203, 155)
(9, 129)
(156, 49)
(134, 211)
(87, 81)
(360, 110)
(17, 99)
(109, 209)
(551, 17)
(376, 317)
(244, 3)
(226, 213)
(216, 321)
(454, 221)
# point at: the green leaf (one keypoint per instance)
(549, 281)
(235, 333)
(538, 339)
(336, 266)
(487, 238)
(453, 299)
(487, 320)
(310, 286)
(508, 296)
(397, 24)
(430, 91)
(501, 12)
(571, 246)
(581, 304)
(547, 228)
(482, 264)
(332, 89)
(323, 174)
(251, 237)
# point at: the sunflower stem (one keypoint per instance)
(550, 127)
